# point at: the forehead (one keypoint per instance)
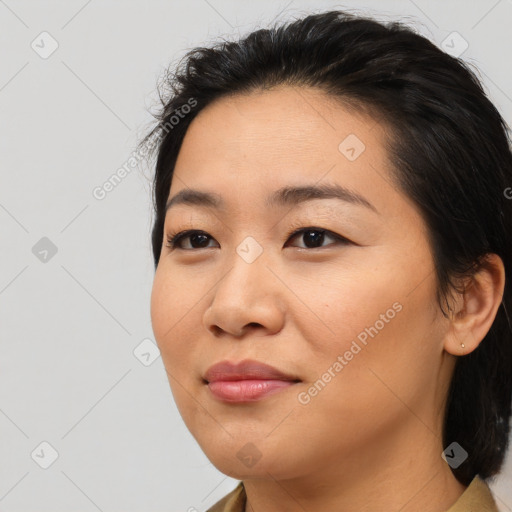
(286, 121)
(248, 145)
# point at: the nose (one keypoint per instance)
(248, 297)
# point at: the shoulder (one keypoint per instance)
(232, 502)
(476, 498)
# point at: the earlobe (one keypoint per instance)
(476, 307)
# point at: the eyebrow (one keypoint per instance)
(286, 196)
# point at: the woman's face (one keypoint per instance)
(350, 315)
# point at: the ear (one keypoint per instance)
(476, 307)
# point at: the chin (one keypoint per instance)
(245, 459)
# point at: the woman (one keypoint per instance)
(332, 242)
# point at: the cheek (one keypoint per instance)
(172, 310)
(174, 297)
(375, 319)
(175, 328)
(342, 300)
(163, 303)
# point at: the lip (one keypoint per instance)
(247, 369)
(246, 381)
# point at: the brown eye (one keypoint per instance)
(198, 240)
(314, 238)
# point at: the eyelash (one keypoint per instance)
(173, 239)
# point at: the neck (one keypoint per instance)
(406, 473)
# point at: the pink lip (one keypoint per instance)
(246, 381)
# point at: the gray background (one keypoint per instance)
(71, 321)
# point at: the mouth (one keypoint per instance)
(247, 381)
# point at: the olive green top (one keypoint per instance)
(476, 498)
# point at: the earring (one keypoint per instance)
(462, 345)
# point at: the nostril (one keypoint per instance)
(216, 330)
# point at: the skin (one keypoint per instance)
(371, 438)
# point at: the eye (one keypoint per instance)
(196, 237)
(313, 238)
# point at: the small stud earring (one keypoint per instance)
(462, 345)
